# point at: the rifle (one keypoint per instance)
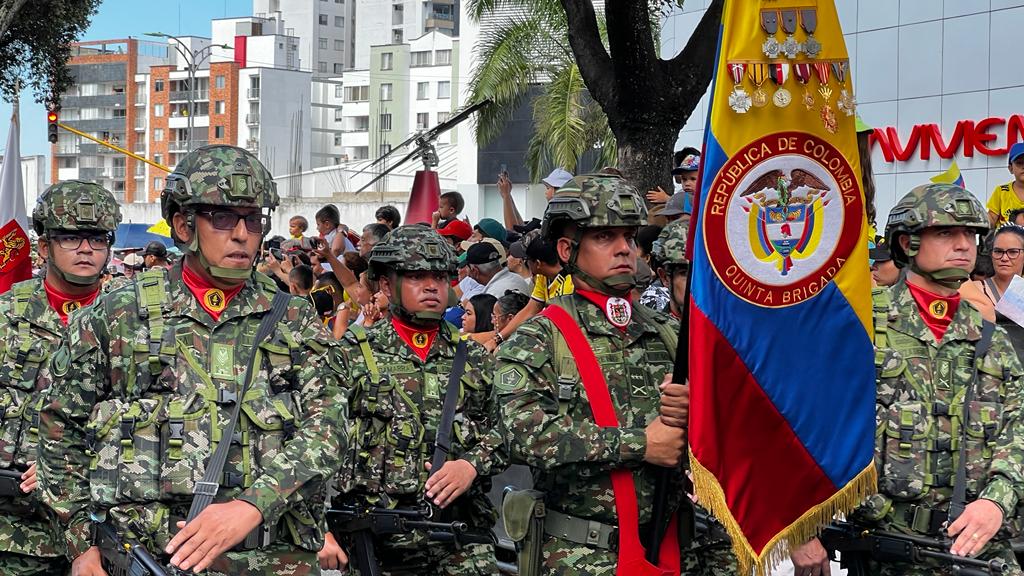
(858, 543)
(10, 484)
(360, 524)
(123, 556)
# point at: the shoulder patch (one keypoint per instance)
(509, 378)
(61, 361)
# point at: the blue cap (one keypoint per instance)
(1016, 151)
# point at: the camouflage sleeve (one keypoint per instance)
(314, 453)
(63, 455)
(1005, 485)
(488, 455)
(526, 387)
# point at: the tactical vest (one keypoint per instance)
(150, 441)
(919, 423)
(389, 438)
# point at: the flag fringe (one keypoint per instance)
(710, 497)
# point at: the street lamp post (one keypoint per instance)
(193, 59)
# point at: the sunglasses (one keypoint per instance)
(227, 220)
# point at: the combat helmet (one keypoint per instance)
(76, 206)
(414, 248)
(217, 175)
(594, 201)
(670, 247)
(933, 206)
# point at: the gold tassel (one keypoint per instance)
(710, 497)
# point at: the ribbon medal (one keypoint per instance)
(779, 73)
(802, 72)
(790, 47)
(739, 100)
(809, 22)
(828, 115)
(618, 311)
(758, 74)
(770, 24)
(846, 102)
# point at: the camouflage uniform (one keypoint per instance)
(147, 379)
(30, 329)
(921, 387)
(547, 420)
(395, 425)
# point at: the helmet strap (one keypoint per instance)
(618, 285)
(75, 278)
(426, 319)
(950, 278)
(192, 247)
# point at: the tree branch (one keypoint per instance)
(10, 10)
(697, 58)
(630, 38)
(593, 60)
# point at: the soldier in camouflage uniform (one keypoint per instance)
(75, 223)
(545, 416)
(399, 371)
(925, 339)
(150, 374)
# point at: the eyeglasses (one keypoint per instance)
(1010, 253)
(73, 241)
(227, 220)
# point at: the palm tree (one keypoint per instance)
(527, 50)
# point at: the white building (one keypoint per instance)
(326, 29)
(916, 63)
(382, 22)
(35, 177)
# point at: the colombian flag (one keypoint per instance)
(782, 377)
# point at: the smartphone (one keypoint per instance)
(277, 254)
(504, 170)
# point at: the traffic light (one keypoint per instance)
(51, 128)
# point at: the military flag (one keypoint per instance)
(15, 251)
(950, 176)
(782, 416)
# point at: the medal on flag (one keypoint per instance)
(846, 102)
(779, 73)
(828, 115)
(802, 72)
(739, 100)
(809, 22)
(758, 74)
(790, 47)
(770, 24)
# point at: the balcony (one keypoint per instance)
(140, 124)
(175, 146)
(182, 95)
(104, 101)
(66, 150)
(117, 171)
(253, 93)
(85, 149)
(252, 145)
(252, 119)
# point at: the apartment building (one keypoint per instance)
(325, 29)
(399, 21)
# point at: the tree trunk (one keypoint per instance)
(645, 156)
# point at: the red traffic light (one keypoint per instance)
(51, 117)
(51, 128)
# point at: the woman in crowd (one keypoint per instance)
(1008, 262)
(507, 307)
(476, 322)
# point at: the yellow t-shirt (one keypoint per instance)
(560, 286)
(1003, 201)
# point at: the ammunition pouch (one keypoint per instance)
(523, 515)
(10, 484)
(582, 531)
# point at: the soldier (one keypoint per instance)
(548, 421)
(927, 356)
(75, 223)
(400, 372)
(668, 258)
(153, 375)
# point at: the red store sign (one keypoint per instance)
(968, 137)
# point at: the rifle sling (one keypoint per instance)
(443, 443)
(959, 499)
(206, 489)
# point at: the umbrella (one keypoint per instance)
(136, 236)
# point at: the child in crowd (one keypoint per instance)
(450, 205)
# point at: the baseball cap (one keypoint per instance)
(557, 178)
(502, 253)
(517, 250)
(459, 229)
(689, 164)
(482, 253)
(491, 228)
(133, 260)
(676, 205)
(1016, 151)
(156, 248)
(878, 251)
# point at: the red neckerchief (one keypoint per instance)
(64, 304)
(212, 299)
(619, 312)
(937, 311)
(417, 339)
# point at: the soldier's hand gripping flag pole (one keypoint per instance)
(782, 415)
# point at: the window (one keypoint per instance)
(158, 86)
(323, 43)
(218, 131)
(337, 139)
(158, 183)
(119, 113)
(158, 110)
(338, 68)
(387, 60)
(421, 59)
(385, 122)
(323, 19)
(422, 120)
(337, 115)
(218, 107)
(339, 91)
(396, 36)
(220, 82)
(444, 89)
(443, 117)
(322, 67)
(357, 93)
(443, 58)
(422, 90)
(339, 21)
(385, 92)
(158, 135)
(339, 45)
(385, 149)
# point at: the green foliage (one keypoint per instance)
(35, 37)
